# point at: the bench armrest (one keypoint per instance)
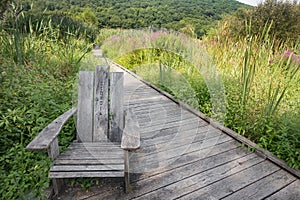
(48, 134)
(131, 132)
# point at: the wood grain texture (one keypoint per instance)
(232, 182)
(116, 110)
(131, 133)
(91, 174)
(85, 106)
(127, 171)
(53, 150)
(219, 154)
(189, 178)
(290, 192)
(263, 187)
(48, 134)
(101, 104)
(71, 168)
(87, 161)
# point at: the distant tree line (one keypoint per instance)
(195, 15)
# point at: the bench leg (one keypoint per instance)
(57, 186)
(127, 172)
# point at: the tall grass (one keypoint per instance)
(260, 75)
(36, 76)
(171, 50)
(262, 84)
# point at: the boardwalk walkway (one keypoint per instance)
(184, 157)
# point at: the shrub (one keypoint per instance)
(281, 17)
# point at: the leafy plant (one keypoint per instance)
(37, 72)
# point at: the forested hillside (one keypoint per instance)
(172, 14)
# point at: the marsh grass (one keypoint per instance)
(261, 81)
(262, 85)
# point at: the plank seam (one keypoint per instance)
(279, 189)
(252, 183)
(188, 163)
(200, 173)
(223, 179)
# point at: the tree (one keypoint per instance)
(283, 17)
(89, 17)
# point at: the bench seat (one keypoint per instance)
(89, 159)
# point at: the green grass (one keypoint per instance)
(37, 73)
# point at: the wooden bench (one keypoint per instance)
(105, 133)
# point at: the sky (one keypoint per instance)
(254, 2)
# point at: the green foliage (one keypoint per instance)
(3, 6)
(53, 25)
(135, 14)
(38, 68)
(282, 17)
(89, 17)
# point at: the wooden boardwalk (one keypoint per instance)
(184, 157)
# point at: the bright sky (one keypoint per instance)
(255, 2)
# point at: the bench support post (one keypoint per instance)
(127, 172)
(53, 152)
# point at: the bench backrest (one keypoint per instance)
(100, 115)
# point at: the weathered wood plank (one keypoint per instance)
(158, 110)
(137, 103)
(94, 144)
(195, 131)
(85, 106)
(179, 135)
(91, 153)
(127, 172)
(157, 134)
(48, 134)
(95, 148)
(233, 183)
(167, 155)
(290, 192)
(91, 156)
(189, 142)
(149, 121)
(227, 150)
(101, 104)
(176, 125)
(184, 179)
(264, 187)
(140, 104)
(172, 111)
(116, 110)
(131, 133)
(71, 168)
(53, 150)
(86, 174)
(91, 161)
(83, 147)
